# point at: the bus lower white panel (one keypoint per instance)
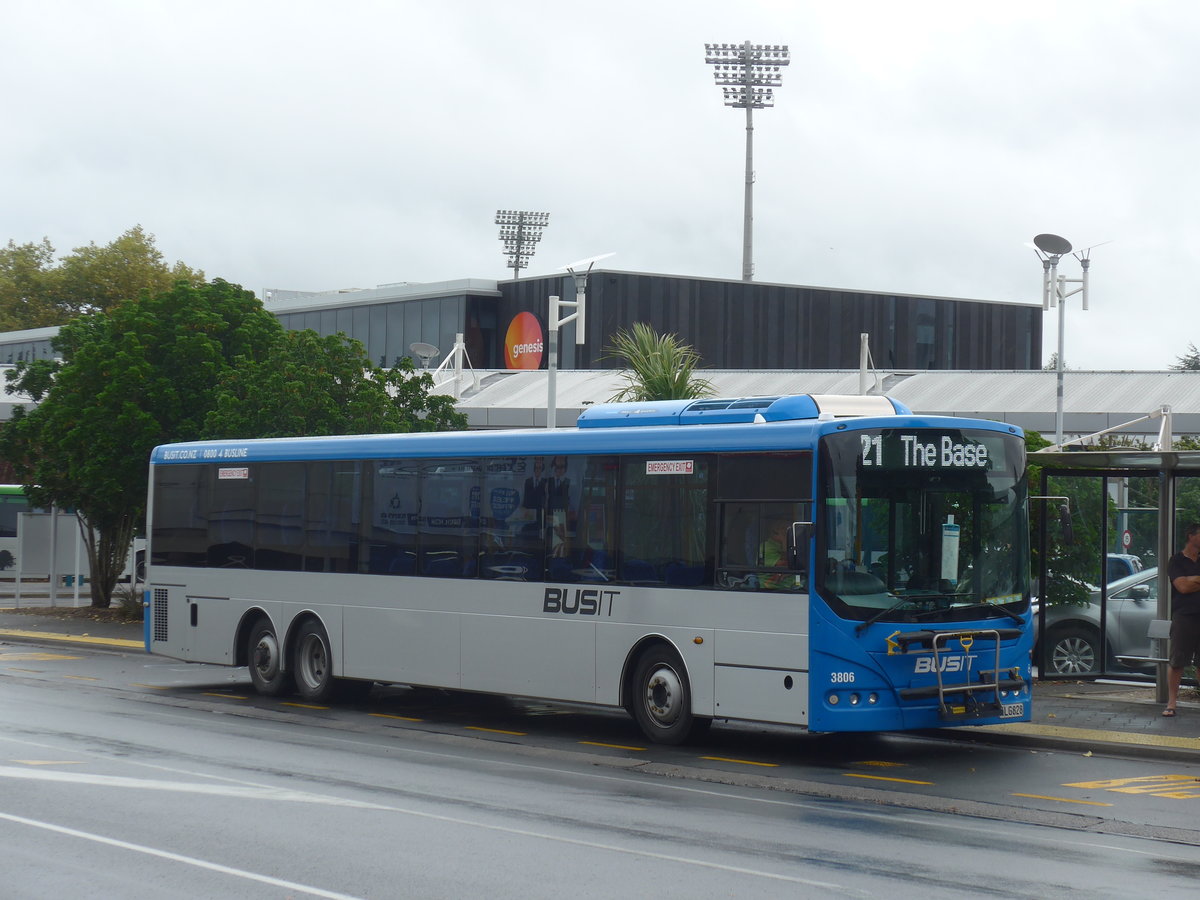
(528, 656)
(210, 638)
(762, 649)
(402, 646)
(769, 695)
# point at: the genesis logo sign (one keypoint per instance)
(523, 342)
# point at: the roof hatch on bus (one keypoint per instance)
(739, 409)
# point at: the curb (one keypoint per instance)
(1085, 741)
(84, 639)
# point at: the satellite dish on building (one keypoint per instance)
(1052, 244)
(424, 352)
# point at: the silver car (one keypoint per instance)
(1073, 631)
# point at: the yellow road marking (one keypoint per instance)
(1173, 787)
(156, 687)
(224, 696)
(401, 718)
(49, 762)
(74, 638)
(301, 705)
(496, 731)
(35, 656)
(82, 677)
(884, 778)
(742, 762)
(610, 746)
(1063, 799)
(883, 764)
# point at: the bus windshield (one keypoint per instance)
(923, 525)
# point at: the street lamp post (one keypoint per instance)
(1050, 248)
(580, 274)
(520, 230)
(748, 73)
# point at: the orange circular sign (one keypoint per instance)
(523, 342)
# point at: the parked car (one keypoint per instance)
(1122, 564)
(1073, 631)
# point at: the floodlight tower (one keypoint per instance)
(748, 73)
(520, 230)
(1050, 248)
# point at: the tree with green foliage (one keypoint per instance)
(37, 292)
(139, 374)
(1189, 362)
(313, 385)
(27, 286)
(661, 367)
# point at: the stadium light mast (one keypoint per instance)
(748, 73)
(520, 230)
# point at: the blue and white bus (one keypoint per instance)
(835, 563)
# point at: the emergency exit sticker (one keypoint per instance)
(669, 466)
(233, 474)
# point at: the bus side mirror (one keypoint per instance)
(802, 533)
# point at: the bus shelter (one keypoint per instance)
(1105, 521)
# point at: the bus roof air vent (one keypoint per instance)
(846, 405)
(736, 410)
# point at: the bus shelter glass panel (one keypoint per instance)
(1098, 566)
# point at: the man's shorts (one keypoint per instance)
(1185, 641)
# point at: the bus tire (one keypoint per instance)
(264, 656)
(312, 663)
(660, 696)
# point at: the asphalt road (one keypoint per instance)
(126, 775)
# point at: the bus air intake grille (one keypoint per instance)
(160, 614)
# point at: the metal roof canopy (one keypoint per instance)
(1167, 465)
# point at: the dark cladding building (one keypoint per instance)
(754, 325)
(731, 324)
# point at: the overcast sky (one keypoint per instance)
(914, 147)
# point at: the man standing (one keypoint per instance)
(1184, 572)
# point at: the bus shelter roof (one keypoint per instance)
(1142, 461)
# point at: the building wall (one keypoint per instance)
(751, 325)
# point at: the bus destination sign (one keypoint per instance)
(896, 449)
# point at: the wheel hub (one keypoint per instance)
(663, 693)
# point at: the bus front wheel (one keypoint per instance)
(661, 698)
(265, 658)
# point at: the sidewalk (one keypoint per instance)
(1079, 716)
(44, 626)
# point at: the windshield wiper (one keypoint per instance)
(1004, 609)
(879, 614)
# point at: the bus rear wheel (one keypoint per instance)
(264, 655)
(312, 663)
(661, 698)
